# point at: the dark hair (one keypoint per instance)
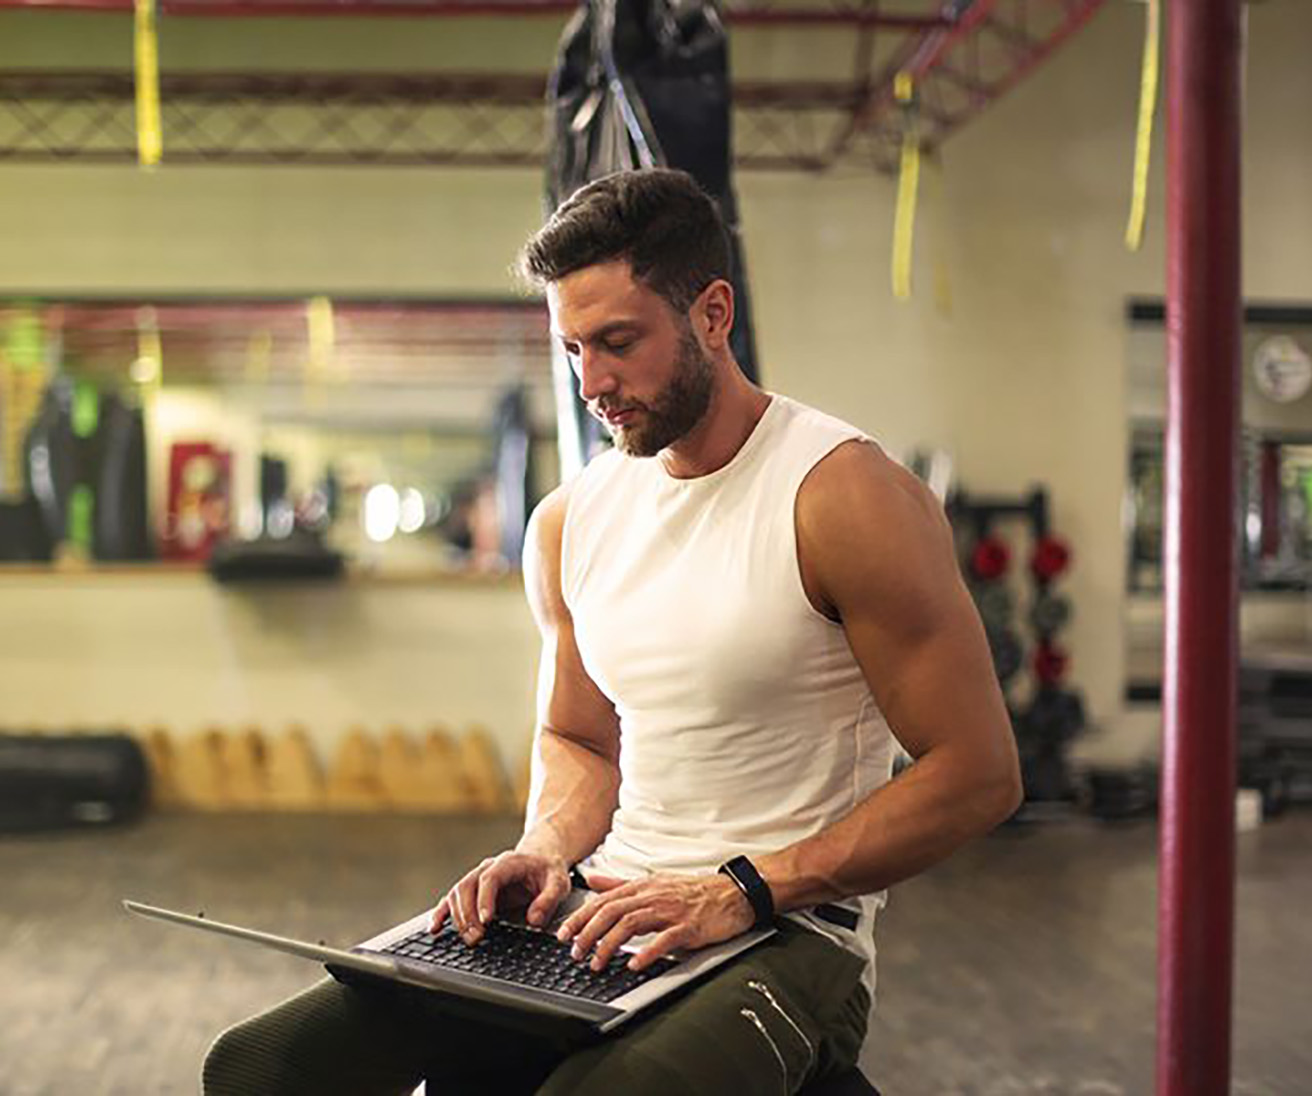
(658, 220)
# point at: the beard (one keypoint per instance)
(676, 410)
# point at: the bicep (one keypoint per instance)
(885, 559)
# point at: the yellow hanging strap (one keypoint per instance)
(937, 234)
(150, 141)
(148, 369)
(259, 357)
(1143, 145)
(322, 331)
(904, 225)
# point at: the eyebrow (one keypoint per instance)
(605, 330)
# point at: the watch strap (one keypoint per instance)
(743, 872)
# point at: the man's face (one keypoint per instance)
(640, 368)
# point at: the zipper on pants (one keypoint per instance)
(764, 991)
(751, 1015)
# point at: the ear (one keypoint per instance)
(713, 314)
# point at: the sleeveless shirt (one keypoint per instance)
(745, 721)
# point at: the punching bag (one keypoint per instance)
(641, 83)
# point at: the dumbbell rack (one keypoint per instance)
(1046, 721)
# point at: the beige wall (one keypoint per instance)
(1023, 380)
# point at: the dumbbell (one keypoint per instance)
(989, 559)
(996, 605)
(1050, 613)
(1055, 715)
(1050, 663)
(1051, 557)
(1008, 653)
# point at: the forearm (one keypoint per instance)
(572, 797)
(912, 822)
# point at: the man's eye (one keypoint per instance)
(619, 347)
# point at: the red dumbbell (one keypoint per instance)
(1051, 557)
(1050, 663)
(990, 559)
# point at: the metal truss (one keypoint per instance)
(742, 12)
(498, 119)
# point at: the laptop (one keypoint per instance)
(517, 974)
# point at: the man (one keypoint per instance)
(737, 605)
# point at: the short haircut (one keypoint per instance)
(658, 220)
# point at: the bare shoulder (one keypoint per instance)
(867, 528)
(542, 540)
(859, 482)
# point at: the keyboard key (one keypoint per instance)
(527, 957)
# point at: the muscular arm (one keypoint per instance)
(877, 554)
(575, 759)
(575, 767)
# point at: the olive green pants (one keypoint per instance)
(787, 1012)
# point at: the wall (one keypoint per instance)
(1023, 379)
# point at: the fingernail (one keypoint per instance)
(633, 964)
(562, 934)
(576, 952)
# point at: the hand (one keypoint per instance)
(685, 911)
(512, 879)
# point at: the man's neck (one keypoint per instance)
(736, 407)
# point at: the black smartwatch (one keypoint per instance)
(743, 872)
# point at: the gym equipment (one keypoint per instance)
(61, 781)
(1008, 654)
(300, 556)
(989, 559)
(640, 83)
(1050, 663)
(1045, 725)
(512, 443)
(1054, 715)
(995, 603)
(1051, 558)
(1050, 613)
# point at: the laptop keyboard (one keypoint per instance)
(526, 957)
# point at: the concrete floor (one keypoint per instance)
(1023, 965)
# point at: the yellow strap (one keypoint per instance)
(259, 355)
(1143, 145)
(904, 224)
(937, 234)
(150, 141)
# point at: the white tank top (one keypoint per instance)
(745, 721)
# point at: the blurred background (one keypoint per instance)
(273, 411)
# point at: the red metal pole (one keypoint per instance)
(1204, 311)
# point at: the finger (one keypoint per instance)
(602, 922)
(630, 925)
(598, 882)
(544, 905)
(659, 946)
(588, 910)
(466, 922)
(440, 912)
(485, 895)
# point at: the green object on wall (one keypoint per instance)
(86, 409)
(81, 506)
(25, 341)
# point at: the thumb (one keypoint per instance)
(542, 907)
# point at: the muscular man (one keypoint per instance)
(740, 604)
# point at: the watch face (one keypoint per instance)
(1282, 369)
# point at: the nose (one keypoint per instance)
(596, 378)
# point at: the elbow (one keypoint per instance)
(1009, 793)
